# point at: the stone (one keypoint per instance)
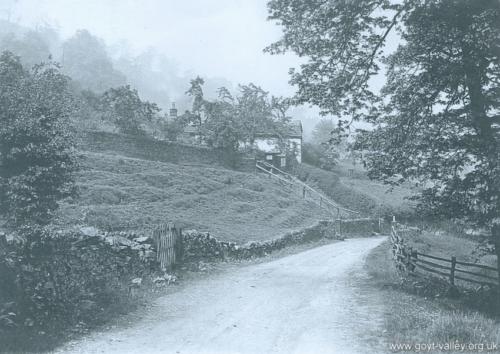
(143, 239)
(136, 281)
(89, 231)
(120, 241)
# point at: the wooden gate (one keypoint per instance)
(168, 240)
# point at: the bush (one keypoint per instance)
(52, 282)
(319, 156)
(173, 128)
(37, 157)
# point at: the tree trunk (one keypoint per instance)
(474, 71)
(495, 234)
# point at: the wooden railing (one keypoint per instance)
(409, 260)
(307, 191)
(448, 268)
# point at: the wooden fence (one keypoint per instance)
(168, 241)
(409, 260)
(307, 191)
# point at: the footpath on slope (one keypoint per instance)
(307, 191)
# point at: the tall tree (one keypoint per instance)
(37, 158)
(222, 128)
(437, 119)
(322, 132)
(258, 112)
(124, 107)
(196, 116)
(31, 47)
(86, 61)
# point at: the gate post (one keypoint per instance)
(179, 246)
(452, 272)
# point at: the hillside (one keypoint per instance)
(118, 192)
(356, 191)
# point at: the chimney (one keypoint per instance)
(173, 112)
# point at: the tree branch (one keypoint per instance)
(382, 40)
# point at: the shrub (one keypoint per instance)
(322, 156)
(173, 128)
(37, 158)
(54, 281)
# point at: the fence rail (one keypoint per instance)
(307, 191)
(409, 260)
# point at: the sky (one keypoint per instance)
(211, 38)
(215, 38)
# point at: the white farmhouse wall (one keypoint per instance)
(270, 145)
(267, 144)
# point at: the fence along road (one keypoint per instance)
(409, 260)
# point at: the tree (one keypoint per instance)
(322, 132)
(37, 158)
(125, 108)
(436, 121)
(86, 61)
(173, 128)
(253, 110)
(258, 112)
(31, 47)
(222, 128)
(197, 111)
(327, 141)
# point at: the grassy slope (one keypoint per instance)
(357, 191)
(119, 192)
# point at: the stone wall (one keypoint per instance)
(202, 246)
(361, 227)
(144, 147)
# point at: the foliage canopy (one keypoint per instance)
(436, 119)
(37, 157)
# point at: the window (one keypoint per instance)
(269, 157)
(283, 161)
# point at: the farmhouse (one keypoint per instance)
(275, 150)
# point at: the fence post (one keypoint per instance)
(180, 246)
(452, 272)
(338, 218)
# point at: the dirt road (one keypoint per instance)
(316, 302)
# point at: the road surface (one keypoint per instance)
(316, 302)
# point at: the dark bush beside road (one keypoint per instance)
(53, 282)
